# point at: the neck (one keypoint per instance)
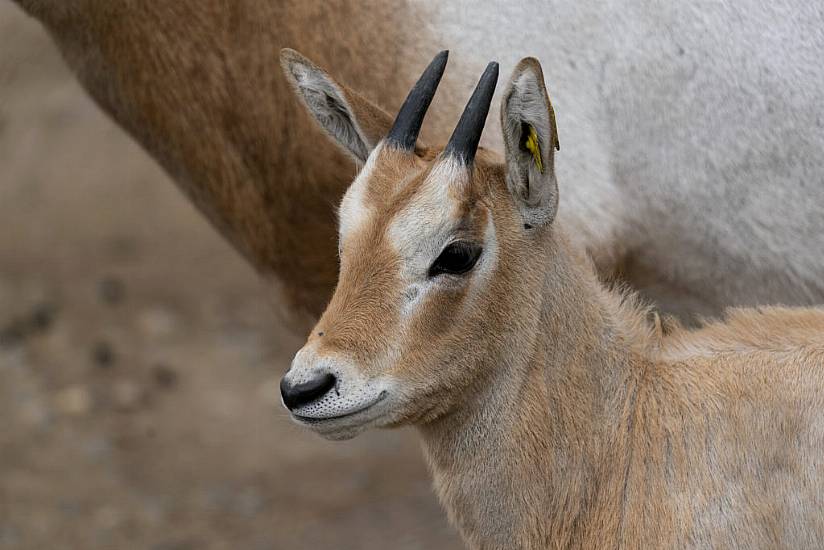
(528, 461)
(196, 83)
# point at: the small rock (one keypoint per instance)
(111, 290)
(42, 317)
(73, 400)
(164, 376)
(12, 334)
(127, 395)
(157, 322)
(17, 330)
(103, 354)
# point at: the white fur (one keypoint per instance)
(419, 239)
(353, 211)
(691, 134)
(427, 226)
(435, 199)
(352, 404)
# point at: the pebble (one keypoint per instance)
(103, 354)
(12, 334)
(164, 376)
(42, 316)
(127, 395)
(39, 320)
(111, 290)
(157, 322)
(75, 400)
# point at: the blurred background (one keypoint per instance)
(140, 358)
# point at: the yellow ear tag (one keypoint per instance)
(533, 147)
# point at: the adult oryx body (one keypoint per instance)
(553, 413)
(695, 131)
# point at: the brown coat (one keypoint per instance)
(556, 412)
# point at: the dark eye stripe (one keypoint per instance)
(456, 259)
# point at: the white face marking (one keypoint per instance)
(353, 211)
(352, 392)
(426, 226)
(430, 214)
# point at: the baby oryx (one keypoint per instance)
(554, 412)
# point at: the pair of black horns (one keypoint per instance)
(464, 141)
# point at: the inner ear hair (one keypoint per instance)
(335, 107)
(335, 116)
(530, 137)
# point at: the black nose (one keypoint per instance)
(306, 392)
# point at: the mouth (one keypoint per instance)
(315, 420)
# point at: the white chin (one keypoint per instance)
(336, 429)
(347, 426)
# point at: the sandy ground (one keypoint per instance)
(139, 359)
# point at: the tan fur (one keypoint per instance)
(555, 412)
(197, 84)
(767, 329)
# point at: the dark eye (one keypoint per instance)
(457, 258)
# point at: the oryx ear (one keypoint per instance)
(530, 140)
(356, 124)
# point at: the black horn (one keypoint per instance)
(464, 141)
(404, 132)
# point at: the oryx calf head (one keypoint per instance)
(440, 252)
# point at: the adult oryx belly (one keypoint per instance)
(692, 137)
